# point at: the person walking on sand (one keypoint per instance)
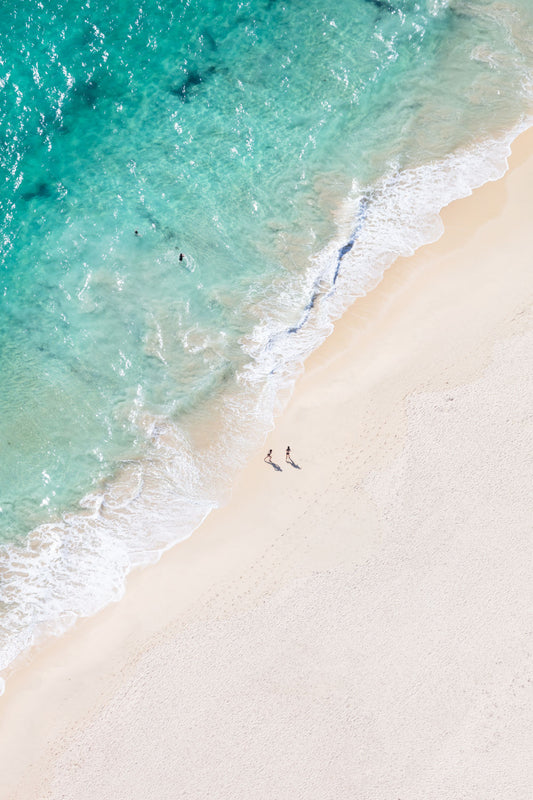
(288, 454)
(268, 457)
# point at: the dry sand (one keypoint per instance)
(355, 628)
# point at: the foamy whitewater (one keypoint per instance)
(290, 152)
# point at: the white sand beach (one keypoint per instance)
(353, 625)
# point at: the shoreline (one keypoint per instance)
(429, 327)
(111, 521)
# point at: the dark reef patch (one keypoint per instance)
(193, 80)
(88, 92)
(42, 189)
(383, 5)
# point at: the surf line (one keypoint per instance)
(316, 293)
(343, 251)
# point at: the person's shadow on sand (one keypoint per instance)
(293, 464)
(275, 466)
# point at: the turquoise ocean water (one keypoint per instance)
(291, 151)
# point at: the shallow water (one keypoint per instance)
(290, 152)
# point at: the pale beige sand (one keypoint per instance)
(355, 629)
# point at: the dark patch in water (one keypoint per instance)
(382, 5)
(194, 78)
(88, 93)
(41, 190)
(167, 232)
(147, 214)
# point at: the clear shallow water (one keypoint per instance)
(291, 152)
